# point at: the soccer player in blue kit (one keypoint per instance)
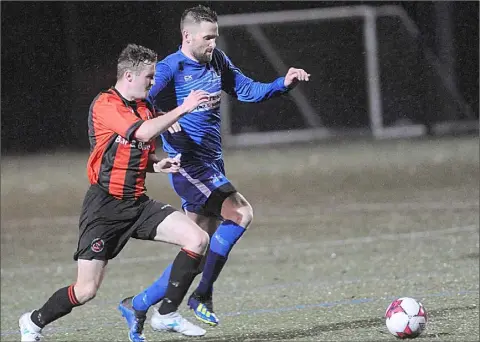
(208, 197)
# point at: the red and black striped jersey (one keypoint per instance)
(118, 162)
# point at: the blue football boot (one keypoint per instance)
(203, 309)
(135, 320)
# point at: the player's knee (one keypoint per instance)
(198, 241)
(203, 239)
(242, 216)
(247, 215)
(237, 209)
(85, 292)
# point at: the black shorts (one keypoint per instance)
(107, 223)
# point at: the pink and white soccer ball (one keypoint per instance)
(406, 318)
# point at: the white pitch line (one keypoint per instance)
(373, 207)
(41, 221)
(259, 249)
(351, 207)
(362, 240)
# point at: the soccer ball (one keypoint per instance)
(406, 318)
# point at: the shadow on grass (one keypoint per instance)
(314, 331)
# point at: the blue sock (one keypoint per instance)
(153, 294)
(221, 244)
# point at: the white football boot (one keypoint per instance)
(174, 322)
(28, 330)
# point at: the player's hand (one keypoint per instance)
(168, 165)
(194, 99)
(294, 76)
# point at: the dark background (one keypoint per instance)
(56, 56)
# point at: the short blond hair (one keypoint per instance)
(132, 57)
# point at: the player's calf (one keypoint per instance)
(221, 244)
(61, 303)
(184, 269)
(84, 292)
(58, 305)
(238, 215)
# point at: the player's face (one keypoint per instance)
(203, 41)
(143, 80)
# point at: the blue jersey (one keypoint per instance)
(177, 75)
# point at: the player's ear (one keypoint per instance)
(187, 36)
(128, 75)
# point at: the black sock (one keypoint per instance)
(58, 305)
(184, 270)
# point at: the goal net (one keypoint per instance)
(371, 76)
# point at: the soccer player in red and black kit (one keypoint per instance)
(122, 128)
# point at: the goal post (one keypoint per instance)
(252, 27)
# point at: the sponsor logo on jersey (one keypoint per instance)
(212, 103)
(140, 145)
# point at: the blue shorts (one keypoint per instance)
(202, 186)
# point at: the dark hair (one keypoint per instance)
(198, 14)
(132, 57)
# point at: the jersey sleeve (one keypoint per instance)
(116, 118)
(245, 89)
(163, 75)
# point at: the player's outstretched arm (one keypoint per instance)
(149, 129)
(245, 89)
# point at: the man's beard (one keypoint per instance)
(202, 57)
